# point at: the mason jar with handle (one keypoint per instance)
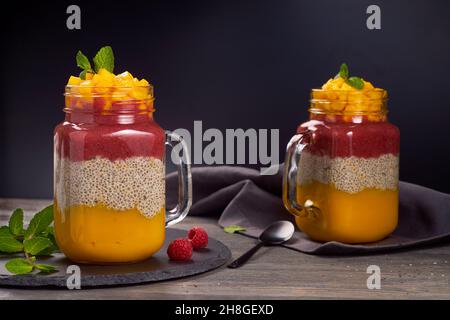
(109, 175)
(341, 168)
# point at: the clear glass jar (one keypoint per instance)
(341, 174)
(109, 176)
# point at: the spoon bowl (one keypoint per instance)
(275, 234)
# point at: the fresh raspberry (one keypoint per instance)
(198, 237)
(180, 250)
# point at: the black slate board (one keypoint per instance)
(157, 268)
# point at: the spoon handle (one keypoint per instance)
(242, 259)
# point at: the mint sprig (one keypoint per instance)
(37, 240)
(355, 82)
(104, 59)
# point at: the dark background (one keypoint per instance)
(232, 64)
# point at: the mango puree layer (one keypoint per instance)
(366, 216)
(102, 235)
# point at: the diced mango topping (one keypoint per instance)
(109, 88)
(86, 87)
(338, 96)
(124, 77)
(340, 84)
(73, 81)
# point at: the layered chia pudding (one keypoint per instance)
(348, 167)
(109, 170)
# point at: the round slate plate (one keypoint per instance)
(157, 268)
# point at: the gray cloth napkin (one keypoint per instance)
(241, 196)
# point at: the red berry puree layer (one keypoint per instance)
(79, 142)
(364, 140)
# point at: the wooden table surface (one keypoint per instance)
(274, 273)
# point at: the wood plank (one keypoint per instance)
(275, 273)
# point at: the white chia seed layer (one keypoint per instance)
(133, 183)
(350, 174)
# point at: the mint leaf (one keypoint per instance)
(48, 251)
(83, 75)
(36, 245)
(49, 233)
(19, 266)
(356, 82)
(52, 238)
(51, 249)
(8, 244)
(16, 222)
(83, 61)
(233, 229)
(104, 59)
(40, 222)
(4, 231)
(46, 268)
(343, 72)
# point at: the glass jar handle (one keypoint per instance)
(178, 213)
(293, 152)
